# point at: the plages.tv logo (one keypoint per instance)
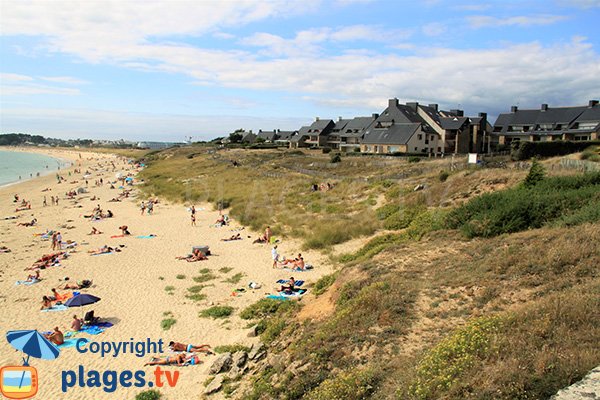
(21, 382)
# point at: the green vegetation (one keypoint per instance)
(167, 323)
(170, 289)
(524, 150)
(235, 278)
(204, 277)
(323, 284)
(225, 270)
(231, 348)
(591, 153)
(180, 276)
(217, 312)
(267, 307)
(567, 198)
(356, 384)
(148, 395)
(536, 174)
(374, 246)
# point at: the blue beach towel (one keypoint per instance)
(298, 283)
(91, 330)
(60, 307)
(69, 343)
(146, 236)
(277, 297)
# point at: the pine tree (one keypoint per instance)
(536, 174)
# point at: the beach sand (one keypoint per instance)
(132, 283)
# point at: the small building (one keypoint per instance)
(267, 136)
(283, 137)
(548, 124)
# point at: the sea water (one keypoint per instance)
(18, 166)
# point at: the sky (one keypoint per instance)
(169, 70)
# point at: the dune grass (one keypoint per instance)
(217, 312)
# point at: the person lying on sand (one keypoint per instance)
(95, 231)
(178, 359)
(261, 239)
(86, 283)
(190, 348)
(32, 223)
(196, 255)
(237, 236)
(114, 200)
(58, 296)
(297, 262)
(124, 230)
(56, 337)
(4, 249)
(103, 250)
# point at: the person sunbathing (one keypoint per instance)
(220, 221)
(33, 278)
(76, 324)
(32, 223)
(261, 239)
(58, 296)
(56, 337)
(95, 231)
(196, 255)
(4, 249)
(114, 200)
(124, 230)
(237, 236)
(102, 250)
(46, 303)
(190, 348)
(178, 359)
(289, 286)
(84, 284)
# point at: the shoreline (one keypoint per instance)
(62, 161)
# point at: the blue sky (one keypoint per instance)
(159, 70)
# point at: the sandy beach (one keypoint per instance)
(130, 283)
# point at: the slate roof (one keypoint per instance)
(322, 126)
(285, 135)
(395, 134)
(453, 123)
(356, 127)
(267, 135)
(301, 133)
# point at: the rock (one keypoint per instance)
(256, 349)
(221, 364)
(253, 331)
(236, 372)
(215, 385)
(276, 361)
(419, 187)
(260, 356)
(239, 358)
(587, 388)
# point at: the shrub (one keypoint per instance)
(167, 323)
(217, 312)
(523, 150)
(336, 158)
(235, 278)
(443, 176)
(323, 284)
(448, 360)
(196, 296)
(204, 278)
(273, 329)
(402, 218)
(414, 159)
(385, 211)
(266, 307)
(148, 395)
(180, 276)
(225, 270)
(222, 204)
(326, 150)
(231, 348)
(356, 384)
(536, 174)
(374, 246)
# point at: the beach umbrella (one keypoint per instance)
(34, 344)
(81, 300)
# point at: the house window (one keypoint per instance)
(416, 149)
(432, 137)
(420, 137)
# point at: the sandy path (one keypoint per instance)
(131, 283)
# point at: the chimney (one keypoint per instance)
(544, 107)
(339, 118)
(514, 109)
(317, 118)
(483, 117)
(375, 115)
(275, 130)
(434, 106)
(393, 102)
(413, 106)
(458, 113)
(592, 103)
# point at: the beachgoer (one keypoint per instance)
(45, 202)
(289, 286)
(95, 231)
(56, 337)
(76, 324)
(275, 256)
(86, 283)
(46, 303)
(268, 234)
(193, 216)
(124, 230)
(178, 359)
(58, 241)
(143, 207)
(33, 278)
(150, 207)
(190, 348)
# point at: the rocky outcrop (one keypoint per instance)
(587, 388)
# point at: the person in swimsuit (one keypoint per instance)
(190, 348)
(178, 359)
(56, 337)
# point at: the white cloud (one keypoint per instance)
(67, 80)
(18, 85)
(479, 21)
(223, 35)
(585, 4)
(434, 29)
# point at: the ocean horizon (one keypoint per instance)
(19, 166)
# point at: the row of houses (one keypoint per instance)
(414, 128)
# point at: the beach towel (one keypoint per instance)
(151, 236)
(27, 283)
(69, 343)
(298, 283)
(117, 236)
(277, 297)
(295, 293)
(101, 254)
(105, 324)
(91, 330)
(60, 307)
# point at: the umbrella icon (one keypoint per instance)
(34, 344)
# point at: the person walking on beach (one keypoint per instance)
(193, 219)
(150, 207)
(143, 207)
(275, 256)
(52, 200)
(56, 200)
(45, 201)
(58, 241)
(268, 234)
(54, 241)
